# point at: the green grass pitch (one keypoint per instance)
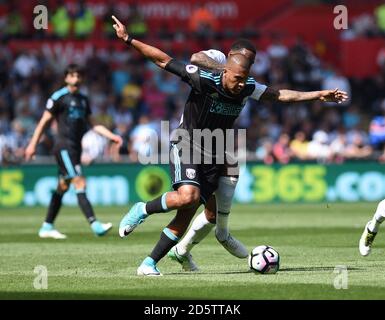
(311, 239)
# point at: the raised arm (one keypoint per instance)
(44, 121)
(285, 95)
(154, 54)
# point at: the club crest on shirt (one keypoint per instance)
(190, 173)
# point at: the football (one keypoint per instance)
(264, 259)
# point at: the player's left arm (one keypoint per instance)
(284, 95)
(102, 130)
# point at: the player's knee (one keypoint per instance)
(189, 198)
(79, 183)
(62, 187)
(210, 210)
(210, 216)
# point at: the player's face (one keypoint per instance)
(234, 79)
(73, 79)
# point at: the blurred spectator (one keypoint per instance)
(281, 150)
(164, 32)
(319, 148)
(351, 117)
(264, 152)
(5, 62)
(4, 121)
(84, 21)
(15, 143)
(377, 130)
(357, 149)
(93, 147)
(25, 119)
(155, 100)
(25, 64)
(61, 20)
(14, 22)
(202, 22)
(362, 26)
(261, 64)
(131, 99)
(120, 78)
(122, 129)
(107, 28)
(277, 50)
(121, 114)
(137, 26)
(167, 82)
(338, 147)
(299, 146)
(142, 139)
(381, 58)
(380, 16)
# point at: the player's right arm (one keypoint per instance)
(188, 73)
(160, 58)
(44, 121)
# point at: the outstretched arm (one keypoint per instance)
(284, 95)
(154, 54)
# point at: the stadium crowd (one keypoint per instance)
(131, 97)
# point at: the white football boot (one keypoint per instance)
(366, 241)
(47, 230)
(234, 246)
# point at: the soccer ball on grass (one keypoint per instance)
(264, 259)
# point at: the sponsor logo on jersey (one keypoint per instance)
(227, 109)
(77, 113)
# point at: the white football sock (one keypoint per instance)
(378, 217)
(199, 229)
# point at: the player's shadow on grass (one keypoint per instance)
(314, 269)
(207, 272)
(299, 269)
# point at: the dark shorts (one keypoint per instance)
(69, 163)
(203, 176)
